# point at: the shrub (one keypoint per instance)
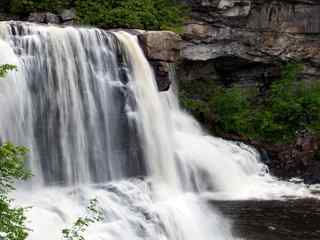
(12, 219)
(146, 14)
(24, 7)
(290, 106)
(195, 96)
(231, 108)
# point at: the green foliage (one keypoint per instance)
(4, 69)
(146, 14)
(289, 106)
(12, 220)
(195, 97)
(24, 7)
(81, 224)
(231, 108)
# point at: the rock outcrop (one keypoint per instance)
(162, 49)
(243, 42)
(66, 17)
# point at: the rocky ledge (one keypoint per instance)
(243, 42)
(162, 50)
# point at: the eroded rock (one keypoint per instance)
(258, 33)
(68, 15)
(45, 17)
(162, 50)
(160, 45)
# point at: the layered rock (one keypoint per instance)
(243, 42)
(253, 35)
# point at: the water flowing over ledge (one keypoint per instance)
(86, 103)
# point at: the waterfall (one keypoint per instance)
(85, 102)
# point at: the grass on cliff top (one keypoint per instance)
(143, 14)
(288, 107)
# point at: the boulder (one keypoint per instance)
(52, 18)
(160, 45)
(37, 17)
(162, 50)
(68, 15)
(45, 17)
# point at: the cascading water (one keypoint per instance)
(85, 102)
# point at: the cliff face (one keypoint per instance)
(242, 40)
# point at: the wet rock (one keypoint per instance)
(162, 71)
(52, 18)
(235, 8)
(295, 160)
(37, 17)
(160, 45)
(162, 49)
(68, 15)
(46, 17)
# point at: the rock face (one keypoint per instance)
(243, 42)
(244, 39)
(44, 18)
(296, 160)
(66, 17)
(162, 49)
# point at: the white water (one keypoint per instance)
(85, 102)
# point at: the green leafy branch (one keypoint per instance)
(81, 224)
(4, 69)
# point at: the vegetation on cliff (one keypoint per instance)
(145, 14)
(289, 106)
(25, 7)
